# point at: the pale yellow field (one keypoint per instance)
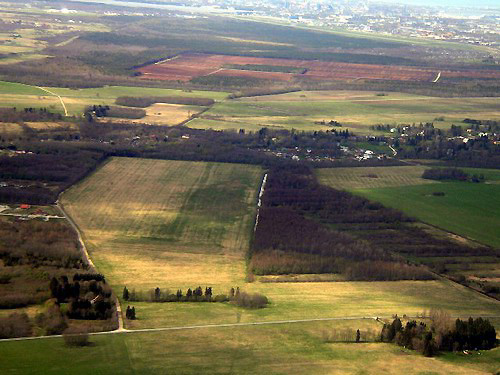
(8, 128)
(167, 223)
(366, 177)
(51, 125)
(168, 114)
(330, 95)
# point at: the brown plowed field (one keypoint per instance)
(190, 65)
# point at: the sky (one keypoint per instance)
(450, 3)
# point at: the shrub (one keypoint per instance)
(76, 337)
(5, 279)
(15, 325)
(445, 174)
(251, 301)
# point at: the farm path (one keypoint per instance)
(60, 99)
(225, 325)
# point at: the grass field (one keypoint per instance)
(354, 109)
(468, 209)
(296, 349)
(20, 96)
(174, 224)
(166, 114)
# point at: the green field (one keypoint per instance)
(281, 349)
(467, 209)
(356, 110)
(19, 95)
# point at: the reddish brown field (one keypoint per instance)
(190, 65)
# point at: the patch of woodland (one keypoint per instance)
(37, 261)
(99, 111)
(31, 252)
(146, 101)
(443, 334)
(44, 169)
(453, 174)
(304, 227)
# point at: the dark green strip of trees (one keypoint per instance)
(146, 101)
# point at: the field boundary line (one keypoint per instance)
(60, 99)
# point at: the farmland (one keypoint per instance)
(466, 208)
(185, 67)
(283, 349)
(355, 110)
(165, 220)
(19, 95)
(159, 227)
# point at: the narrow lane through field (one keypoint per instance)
(60, 99)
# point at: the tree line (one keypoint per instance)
(146, 101)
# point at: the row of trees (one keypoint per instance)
(239, 298)
(158, 295)
(106, 111)
(146, 101)
(445, 174)
(28, 114)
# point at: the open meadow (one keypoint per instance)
(296, 349)
(355, 110)
(19, 95)
(171, 223)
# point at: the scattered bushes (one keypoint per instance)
(15, 325)
(445, 174)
